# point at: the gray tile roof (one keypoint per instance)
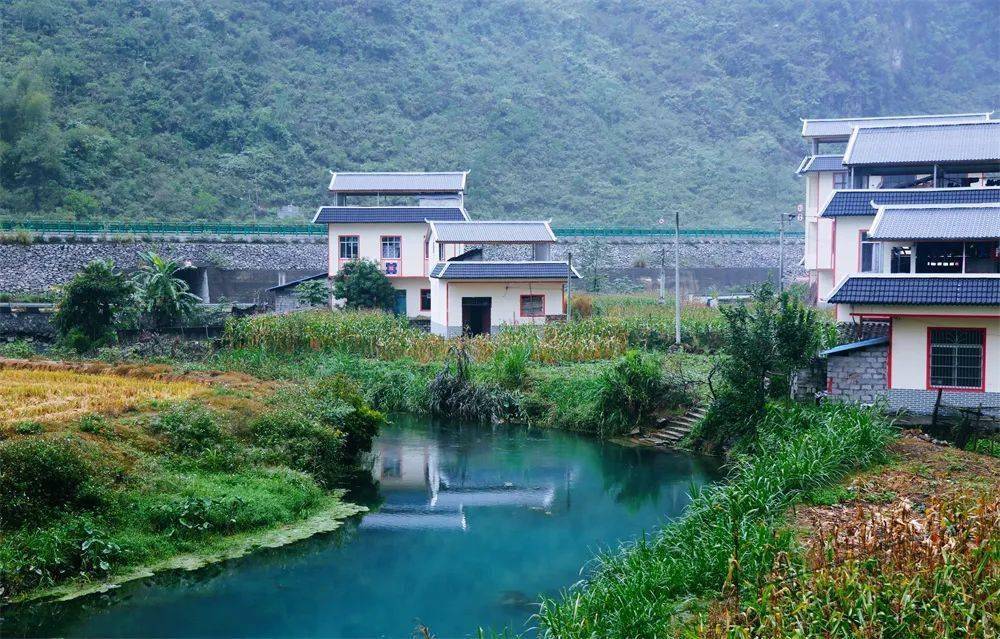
(925, 144)
(502, 271)
(816, 163)
(493, 232)
(909, 290)
(936, 222)
(843, 127)
(374, 214)
(858, 201)
(371, 183)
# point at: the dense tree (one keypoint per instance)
(586, 112)
(86, 311)
(362, 284)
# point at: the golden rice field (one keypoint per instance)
(61, 395)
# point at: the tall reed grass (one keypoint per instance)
(726, 537)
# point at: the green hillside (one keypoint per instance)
(599, 112)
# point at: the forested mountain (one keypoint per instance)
(600, 112)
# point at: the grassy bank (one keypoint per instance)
(130, 467)
(728, 537)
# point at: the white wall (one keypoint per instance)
(370, 240)
(506, 301)
(909, 345)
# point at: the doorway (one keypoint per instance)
(399, 308)
(476, 315)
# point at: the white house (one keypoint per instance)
(418, 231)
(903, 238)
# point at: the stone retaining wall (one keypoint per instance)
(37, 267)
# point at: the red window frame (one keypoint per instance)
(539, 314)
(428, 292)
(982, 364)
(397, 260)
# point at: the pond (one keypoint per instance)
(469, 525)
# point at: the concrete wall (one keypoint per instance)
(909, 349)
(370, 244)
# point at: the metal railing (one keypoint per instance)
(209, 228)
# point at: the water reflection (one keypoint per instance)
(469, 525)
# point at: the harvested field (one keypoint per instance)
(51, 396)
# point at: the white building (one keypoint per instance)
(415, 226)
(903, 237)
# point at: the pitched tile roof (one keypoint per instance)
(908, 290)
(925, 144)
(502, 271)
(816, 163)
(371, 183)
(493, 232)
(936, 222)
(374, 214)
(858, 201)
(842, 127)
(294, 283)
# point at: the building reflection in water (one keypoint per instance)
(419, 492)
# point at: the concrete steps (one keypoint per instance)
(669, 430)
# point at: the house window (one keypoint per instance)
(392, 251)
(425, 299)
(955, 357)
(532, 306)
(392, 247)
(900, 259)
(871, 254)
(349, 247)
(840, 180)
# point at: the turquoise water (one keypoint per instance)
(469, 525)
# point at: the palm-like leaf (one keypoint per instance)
(164, 297)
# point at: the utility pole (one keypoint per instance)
(799, 208)
(677, 278)
(569, 286)
(663, 274)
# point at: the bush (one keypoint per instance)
(189, 428)
(39, 477)
(93, 424)
(191, 516)
(18, 349)
(28, 428)
(313, 293)
(509, 366)
(453, 394)
(86, 312)
(293, 437)
(627, 392)
(359, 423)
(362, 284)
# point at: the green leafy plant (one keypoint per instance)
(39, 478)
(28, 428)
(198, 515)
(190, 428)
(362, 284)
(86, 311)
(313, 293)
(94, 424)
(627, 392)
(164, 297)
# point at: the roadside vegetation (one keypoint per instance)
(106, 470)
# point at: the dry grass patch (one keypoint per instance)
(52, 396)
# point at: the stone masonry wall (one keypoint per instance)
(38, 266)
(859, 376)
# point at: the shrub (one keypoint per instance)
(18, 349)
(509, 366)
(453, 393)
(38, 477)
(93, 424)
(28, 428)
(86, 312)
(191, 516)
(297, 440)
(627, 392)
(165, 298)
(189, 428)
(313, 293)
(362, 284)
(359, 423)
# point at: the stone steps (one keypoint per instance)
(669, 430)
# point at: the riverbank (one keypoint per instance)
(834, 527)
(108, 472)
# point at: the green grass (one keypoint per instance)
(637, 590)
